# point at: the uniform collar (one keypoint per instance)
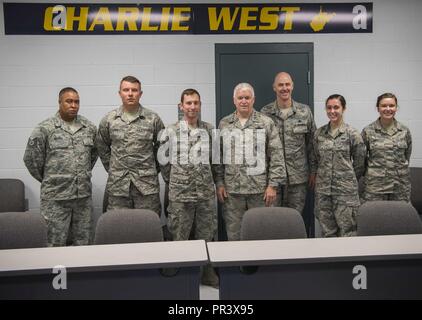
(200, 124)
(396, 126)
(140, 112)
(341, 128)
(275, 109)
(59, 122)
(234, 119)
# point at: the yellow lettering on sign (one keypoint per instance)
(70, 18)
(288, 22)
(146, 20)
(269, 19)
(174, 19)
(165, 18)
(127, 15)
(224, 16)
(48, 19)
(102, 18)
(245, 17)
(82, 18)
(180, 15)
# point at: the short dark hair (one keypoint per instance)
(189, 92)
(130, 79)
(339, 97)
(66, 89)
(386, 95)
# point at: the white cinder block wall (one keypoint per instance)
(360, 66)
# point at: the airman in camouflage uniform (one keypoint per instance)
(296, 128)
(340, 159)
(127, 144)
(238, 187)
(191, 183)
(389, 146)
(60, 154)
(190, 178)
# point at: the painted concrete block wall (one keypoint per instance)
(360, 66)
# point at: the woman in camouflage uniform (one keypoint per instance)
(389, 146)
(340, 157)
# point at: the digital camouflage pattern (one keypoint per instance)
(292, 196)
(387, 175)
(202, 215)
(128, 151)
(189, 181)
(296, 134)
(234, 207)
(62, 160)
(340, 162)
(337, 214)
(246, 191)
(234, 177)
(136, 200)
(64, 217)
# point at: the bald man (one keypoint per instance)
(296, 127)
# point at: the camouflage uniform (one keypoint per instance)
(128, 151)
(340, 160)
(246, 191)
(387, 175)
(296, 134)
(191, 187)
(62, 160)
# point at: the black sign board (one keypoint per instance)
(78, 18)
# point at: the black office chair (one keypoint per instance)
(272, 223)
(12, 195)
(416, 193)
(22, 230)
(128, 226)
(387, 218)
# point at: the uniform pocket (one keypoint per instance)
(147, 172)
(230, 170)
(300, 128)
(402, 144)
(144, 135)
(376, 172)
(88, 142)
(59, 142)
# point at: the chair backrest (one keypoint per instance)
(128, 226)
(22, 230)
(12, 195)
(272, 223)
(416, 193)
(387, 218)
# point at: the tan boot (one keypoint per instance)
(209, 277)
